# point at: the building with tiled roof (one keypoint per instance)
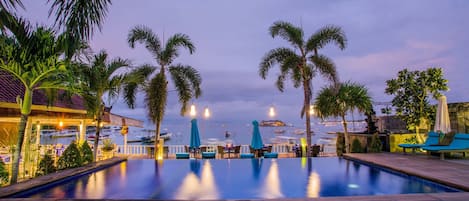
(70, 112)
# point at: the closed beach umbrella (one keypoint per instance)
(442, 123)
(195, 139)
(256, 142)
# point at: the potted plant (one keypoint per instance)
(107, 149)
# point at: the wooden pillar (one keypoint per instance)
(38, 133)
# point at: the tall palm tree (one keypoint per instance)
(33, 57)
(153, 80)
(337, 102)
(302, 62)
(98, 78)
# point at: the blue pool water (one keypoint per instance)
(236, 179)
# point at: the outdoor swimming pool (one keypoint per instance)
(236, 179)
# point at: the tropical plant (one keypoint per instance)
(357, 146)
(376, 145)
(70, 158)
(108, 145)
(3, 173)
(46, 165)
(32, 56)
(6, 15)
(98, 78)
(302, 62)
(412, 90)
(86, 153)
(337, 102)
(152, 80)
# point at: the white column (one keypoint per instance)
(38, 132)
(82, 130)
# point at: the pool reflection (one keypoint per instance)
(272, 187)
(193, 188)
(234, 179)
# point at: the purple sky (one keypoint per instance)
(231, 37)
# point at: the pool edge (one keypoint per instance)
(57, 176)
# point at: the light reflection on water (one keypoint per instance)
(235, 179)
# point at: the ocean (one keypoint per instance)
(238, 133)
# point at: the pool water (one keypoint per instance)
(236, 179)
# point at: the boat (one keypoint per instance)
(272, 123)
(284, 140)
(151, 139)
(279, 131)
(299, 131)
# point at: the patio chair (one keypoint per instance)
(221, 151)
(183, 155)
(460, 143)
(207, 154)
(433, 138)
(248, 155)
(237, 151)
(269, 154)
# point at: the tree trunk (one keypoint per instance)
(346, 136)
(17, 151)
(25, 106)
(308, 117)
(157, 139)
(96, 139)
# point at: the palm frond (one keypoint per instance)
(171, 49)
(145, 35)
(288, 32)
(325, 67)
(79, 17)
(187, 82)
(325, 36)
(274, 56)
(133, 80)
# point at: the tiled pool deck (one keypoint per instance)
(453, 173)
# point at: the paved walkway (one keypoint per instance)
(450, 172)
(454, 173)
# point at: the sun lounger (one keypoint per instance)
(208, 154)
(433, 138)
(246, 155)
(183, 155)
(460, 143)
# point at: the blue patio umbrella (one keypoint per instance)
(195, 139)
(256, 142)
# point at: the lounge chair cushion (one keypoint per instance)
(246, 155)
(271, 155)
(433, 138)
(182, 155)
(208, 154)
(460, 142)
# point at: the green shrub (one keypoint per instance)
(71, 158)
(46, 165)
(411, 140)
(376, 145)
(357, 146)
(340, 144)
(4, 175)
(86, 153)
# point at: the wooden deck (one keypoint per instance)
(453, 173)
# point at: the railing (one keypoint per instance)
(328, 149)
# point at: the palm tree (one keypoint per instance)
(185, 78)
(337, 102)
(33, 57)
(302, 62)
(98, 78)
